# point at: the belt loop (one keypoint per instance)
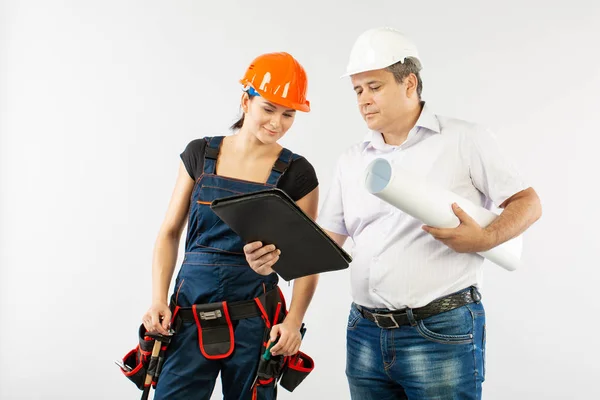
(475, 294)
(359, 308)
(177, 322)
(411, 317)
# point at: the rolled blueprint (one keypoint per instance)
(433, 206)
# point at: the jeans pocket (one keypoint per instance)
(353, 317)
(451, 327)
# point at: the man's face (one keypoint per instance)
(381, 100)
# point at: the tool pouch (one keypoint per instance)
(273, 312)
(215, 331)
(296, 369)
(269, 370)
(138, 362)
(291, 370)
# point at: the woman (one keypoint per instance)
(220, 274)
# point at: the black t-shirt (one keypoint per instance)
(299, 180)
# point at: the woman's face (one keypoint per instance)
(266, 120)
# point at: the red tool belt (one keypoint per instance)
(214, 321)
(216, 340)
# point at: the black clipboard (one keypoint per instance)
(272, 217)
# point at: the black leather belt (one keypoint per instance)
(395, 319)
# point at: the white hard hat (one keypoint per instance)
(379, 48)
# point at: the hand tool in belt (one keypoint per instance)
(153, 369)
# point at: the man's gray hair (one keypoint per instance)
(402, 69)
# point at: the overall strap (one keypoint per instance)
(211, 153)
(280, 166)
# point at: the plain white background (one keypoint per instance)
(98, 98)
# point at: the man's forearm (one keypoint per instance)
(520, 212)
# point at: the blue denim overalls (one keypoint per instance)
(214, 270)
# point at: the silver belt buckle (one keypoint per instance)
(388, 316)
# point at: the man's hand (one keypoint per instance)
(468, 237)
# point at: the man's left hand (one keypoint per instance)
(468, 237)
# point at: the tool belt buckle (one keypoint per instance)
(383, 317)
(209, 315)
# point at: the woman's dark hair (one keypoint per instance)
(238, 124)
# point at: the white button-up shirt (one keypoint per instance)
(395, 263)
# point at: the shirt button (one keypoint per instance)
(374, 290)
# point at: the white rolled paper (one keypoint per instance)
(433, 206)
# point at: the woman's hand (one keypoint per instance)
(261, 258)
(289, 338)
(154, 315)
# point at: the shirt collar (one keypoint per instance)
(427, 120)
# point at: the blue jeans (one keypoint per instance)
(438, 358)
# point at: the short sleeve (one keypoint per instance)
(193, 156)
(299, 180)
(331, 215)
(492, 172)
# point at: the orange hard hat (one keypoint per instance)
(279, 78)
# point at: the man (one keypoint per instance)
(416, 328)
